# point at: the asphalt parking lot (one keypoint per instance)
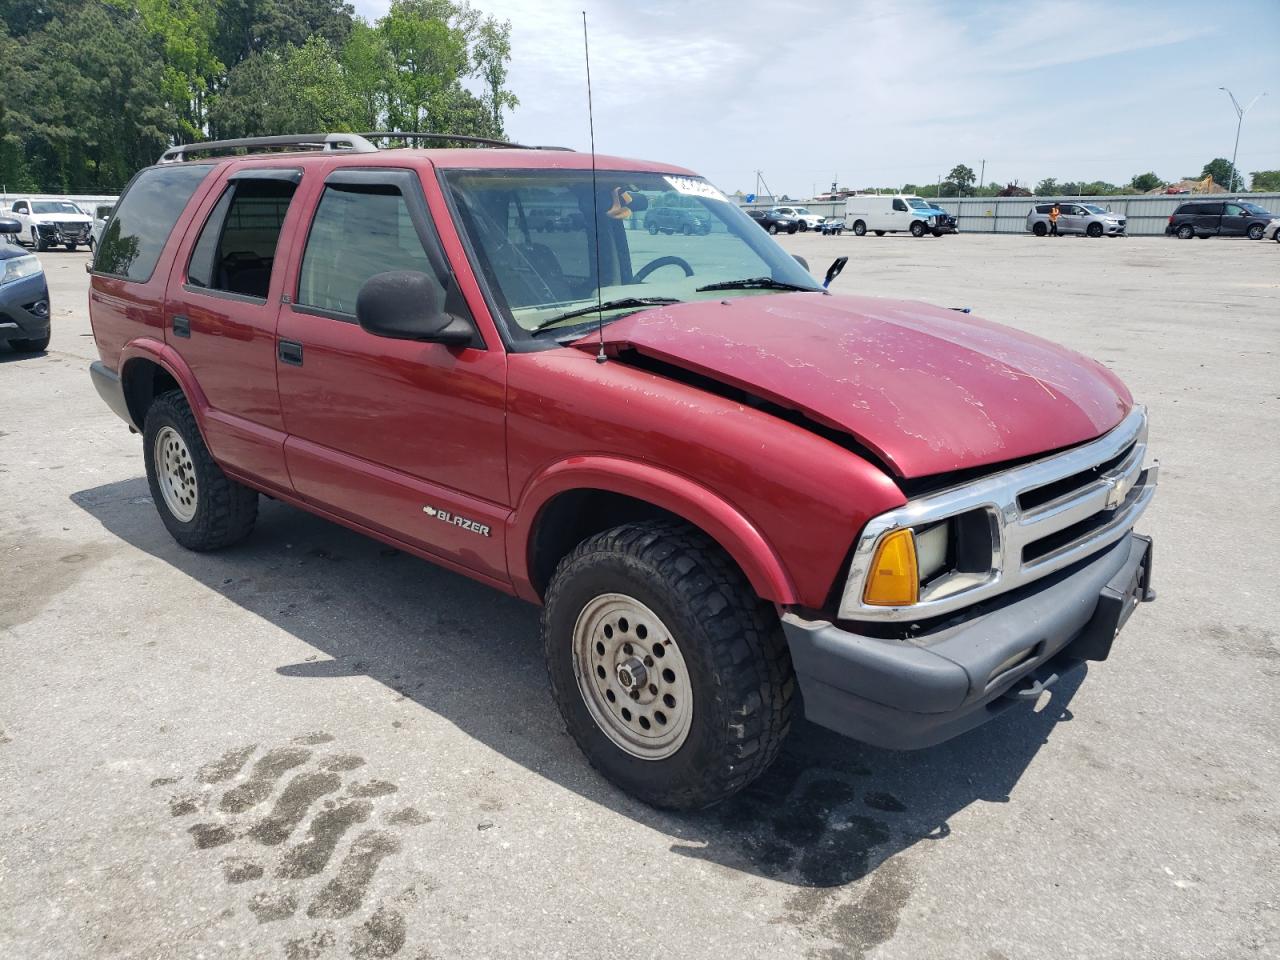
(175, 729)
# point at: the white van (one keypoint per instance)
(885, 214)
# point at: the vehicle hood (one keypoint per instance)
(10, 250)
(59, 218)
(928, 390)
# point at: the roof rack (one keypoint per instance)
(457, 138)
(328, 142)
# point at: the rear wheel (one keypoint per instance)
(1186, 232)
(200, 505)
(653, 229)
(860, 229)
(686, 229)
(773, 228)
(672, 676)
(1039, 229)
(1255, 232)
(803, 226)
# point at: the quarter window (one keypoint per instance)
(144, 218)
(359, 230)
(237, 247)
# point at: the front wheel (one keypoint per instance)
(860, 229)
(38, 242)
(1094, 230)
(879, 233)
(672, 676)
(70, 247)
(773, 228)
(1255, 232)
(937, 233)
(199, 504)
(917, 229)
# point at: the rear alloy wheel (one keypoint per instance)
(773, 228)
(200, 505)
(672, 676)
(917, 229)
(1186, 232)
(803, 226)
(860, 229)
(1039, 229)
(1255, 232)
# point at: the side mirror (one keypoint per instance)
(10, 226)
(834, 270)
(408, 305)
(801, 260)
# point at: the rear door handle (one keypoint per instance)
(181, 326)
(290, 352)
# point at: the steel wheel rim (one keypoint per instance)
(176, 474)
(632, 676)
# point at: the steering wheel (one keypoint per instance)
(652, 265)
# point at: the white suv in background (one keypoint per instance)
(51, 223)
(807, 220)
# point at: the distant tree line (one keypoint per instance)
(92, 90)
(960, 183)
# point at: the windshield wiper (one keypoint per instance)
(762, 283)
(607, 305)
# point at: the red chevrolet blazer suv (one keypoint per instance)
(738, 497)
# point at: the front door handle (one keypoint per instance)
(181, 326)
(291, 352)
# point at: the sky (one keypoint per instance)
(886, 92)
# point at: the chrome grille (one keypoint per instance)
(1044, 516)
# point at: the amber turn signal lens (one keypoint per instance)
(894, 580)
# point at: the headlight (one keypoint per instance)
(904, 566)
(19, 267)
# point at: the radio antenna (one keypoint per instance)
(595, 195)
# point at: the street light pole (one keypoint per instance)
(1240, 112)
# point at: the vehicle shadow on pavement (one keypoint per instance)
(829, 812)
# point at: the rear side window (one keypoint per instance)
(237, 247)
(144, 217)
(358, 231)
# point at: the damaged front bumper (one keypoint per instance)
(944, 681)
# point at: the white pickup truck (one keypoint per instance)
(51, 223)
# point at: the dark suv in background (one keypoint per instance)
(1219, 218)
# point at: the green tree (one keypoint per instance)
(491, 55)
(962, 179)
(252, 26)
(1265, 181)
(1220, 169)
(103, 118)
(297, 90)
(1047, 187)
(367, 68)
(1144, 182)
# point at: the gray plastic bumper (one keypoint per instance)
(907, 694)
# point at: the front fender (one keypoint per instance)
(672, 492)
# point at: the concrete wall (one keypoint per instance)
(85, 202)
(1147, 215)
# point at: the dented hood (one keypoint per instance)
(929, 390)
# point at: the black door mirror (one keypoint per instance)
(408, 305)
(834, 270)
(10, 226)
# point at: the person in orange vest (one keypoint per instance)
(1054, 213)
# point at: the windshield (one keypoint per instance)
(1094, 208)
(661, 238)
(1256, 210)
(919, 204)
(55, 206)
(803, 211)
